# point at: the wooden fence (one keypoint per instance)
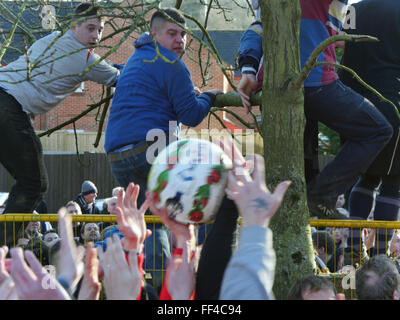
(66, 173)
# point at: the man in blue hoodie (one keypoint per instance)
(154, 95)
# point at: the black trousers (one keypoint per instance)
(366, 130)
(216, 252)
(22, 155)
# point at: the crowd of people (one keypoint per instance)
(154, 95)
(87, 270)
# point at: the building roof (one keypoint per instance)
(227, 43)
(29, 25)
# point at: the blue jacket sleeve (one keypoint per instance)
(250, 50)
(118, 66)
(190, 110)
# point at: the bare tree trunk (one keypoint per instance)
(283, 129)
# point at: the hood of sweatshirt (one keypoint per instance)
(144, 39)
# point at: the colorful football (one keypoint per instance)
(189, 177)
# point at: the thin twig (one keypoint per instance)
(102, 119)
(311, 62)
(361, 81)
(74, 119)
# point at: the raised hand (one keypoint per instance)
(33, 282)
(131, 219)
(181, 274)
(181, 231)
(246, 87)
(70, 264)
(91, 286)
(7, 286)
(256, 204)
(122, 281)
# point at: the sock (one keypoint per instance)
(361, 202)
(386, 209)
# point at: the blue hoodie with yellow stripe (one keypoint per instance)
(152, 94)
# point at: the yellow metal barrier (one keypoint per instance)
(151, 220)
(355, 224)
(151, 267)
(368, 235)
(26, 217)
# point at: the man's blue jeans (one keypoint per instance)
(22, 155)
(157, 246)
(366, 131)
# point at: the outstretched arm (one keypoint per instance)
(250, 272)
(130, 218)
(179, 281)
(33, 282)
(7, 285)
(122, 278)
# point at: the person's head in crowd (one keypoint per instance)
(395, 244)
(90, 232)
(88, 24)
(39, 249)
(323, 244)
(73, 208)
(110, 231)
(312, 288)
(89, 191)
(341, 200)
(104, 209)
(115, 191)
(166, 32)
(378, 279)
(54, 249)
(107, 233)
(112, 205)
(340, 235)
(33, 228)
(50, 237)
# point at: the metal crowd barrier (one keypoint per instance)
(338, 276)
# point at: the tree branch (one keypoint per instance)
(102, 118)
(311, 62)
(178, 4)
(6, 43)
(74, 119)
(239, 118)
(361, 81)
(232, 99)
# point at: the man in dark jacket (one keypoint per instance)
(378, 64)
(86, 199)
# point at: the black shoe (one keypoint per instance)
(323, 210)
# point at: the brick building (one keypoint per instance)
(226, 42)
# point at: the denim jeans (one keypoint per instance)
(366, 131)
(157, 246)
(22, 155)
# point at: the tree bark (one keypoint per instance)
(283, 130)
